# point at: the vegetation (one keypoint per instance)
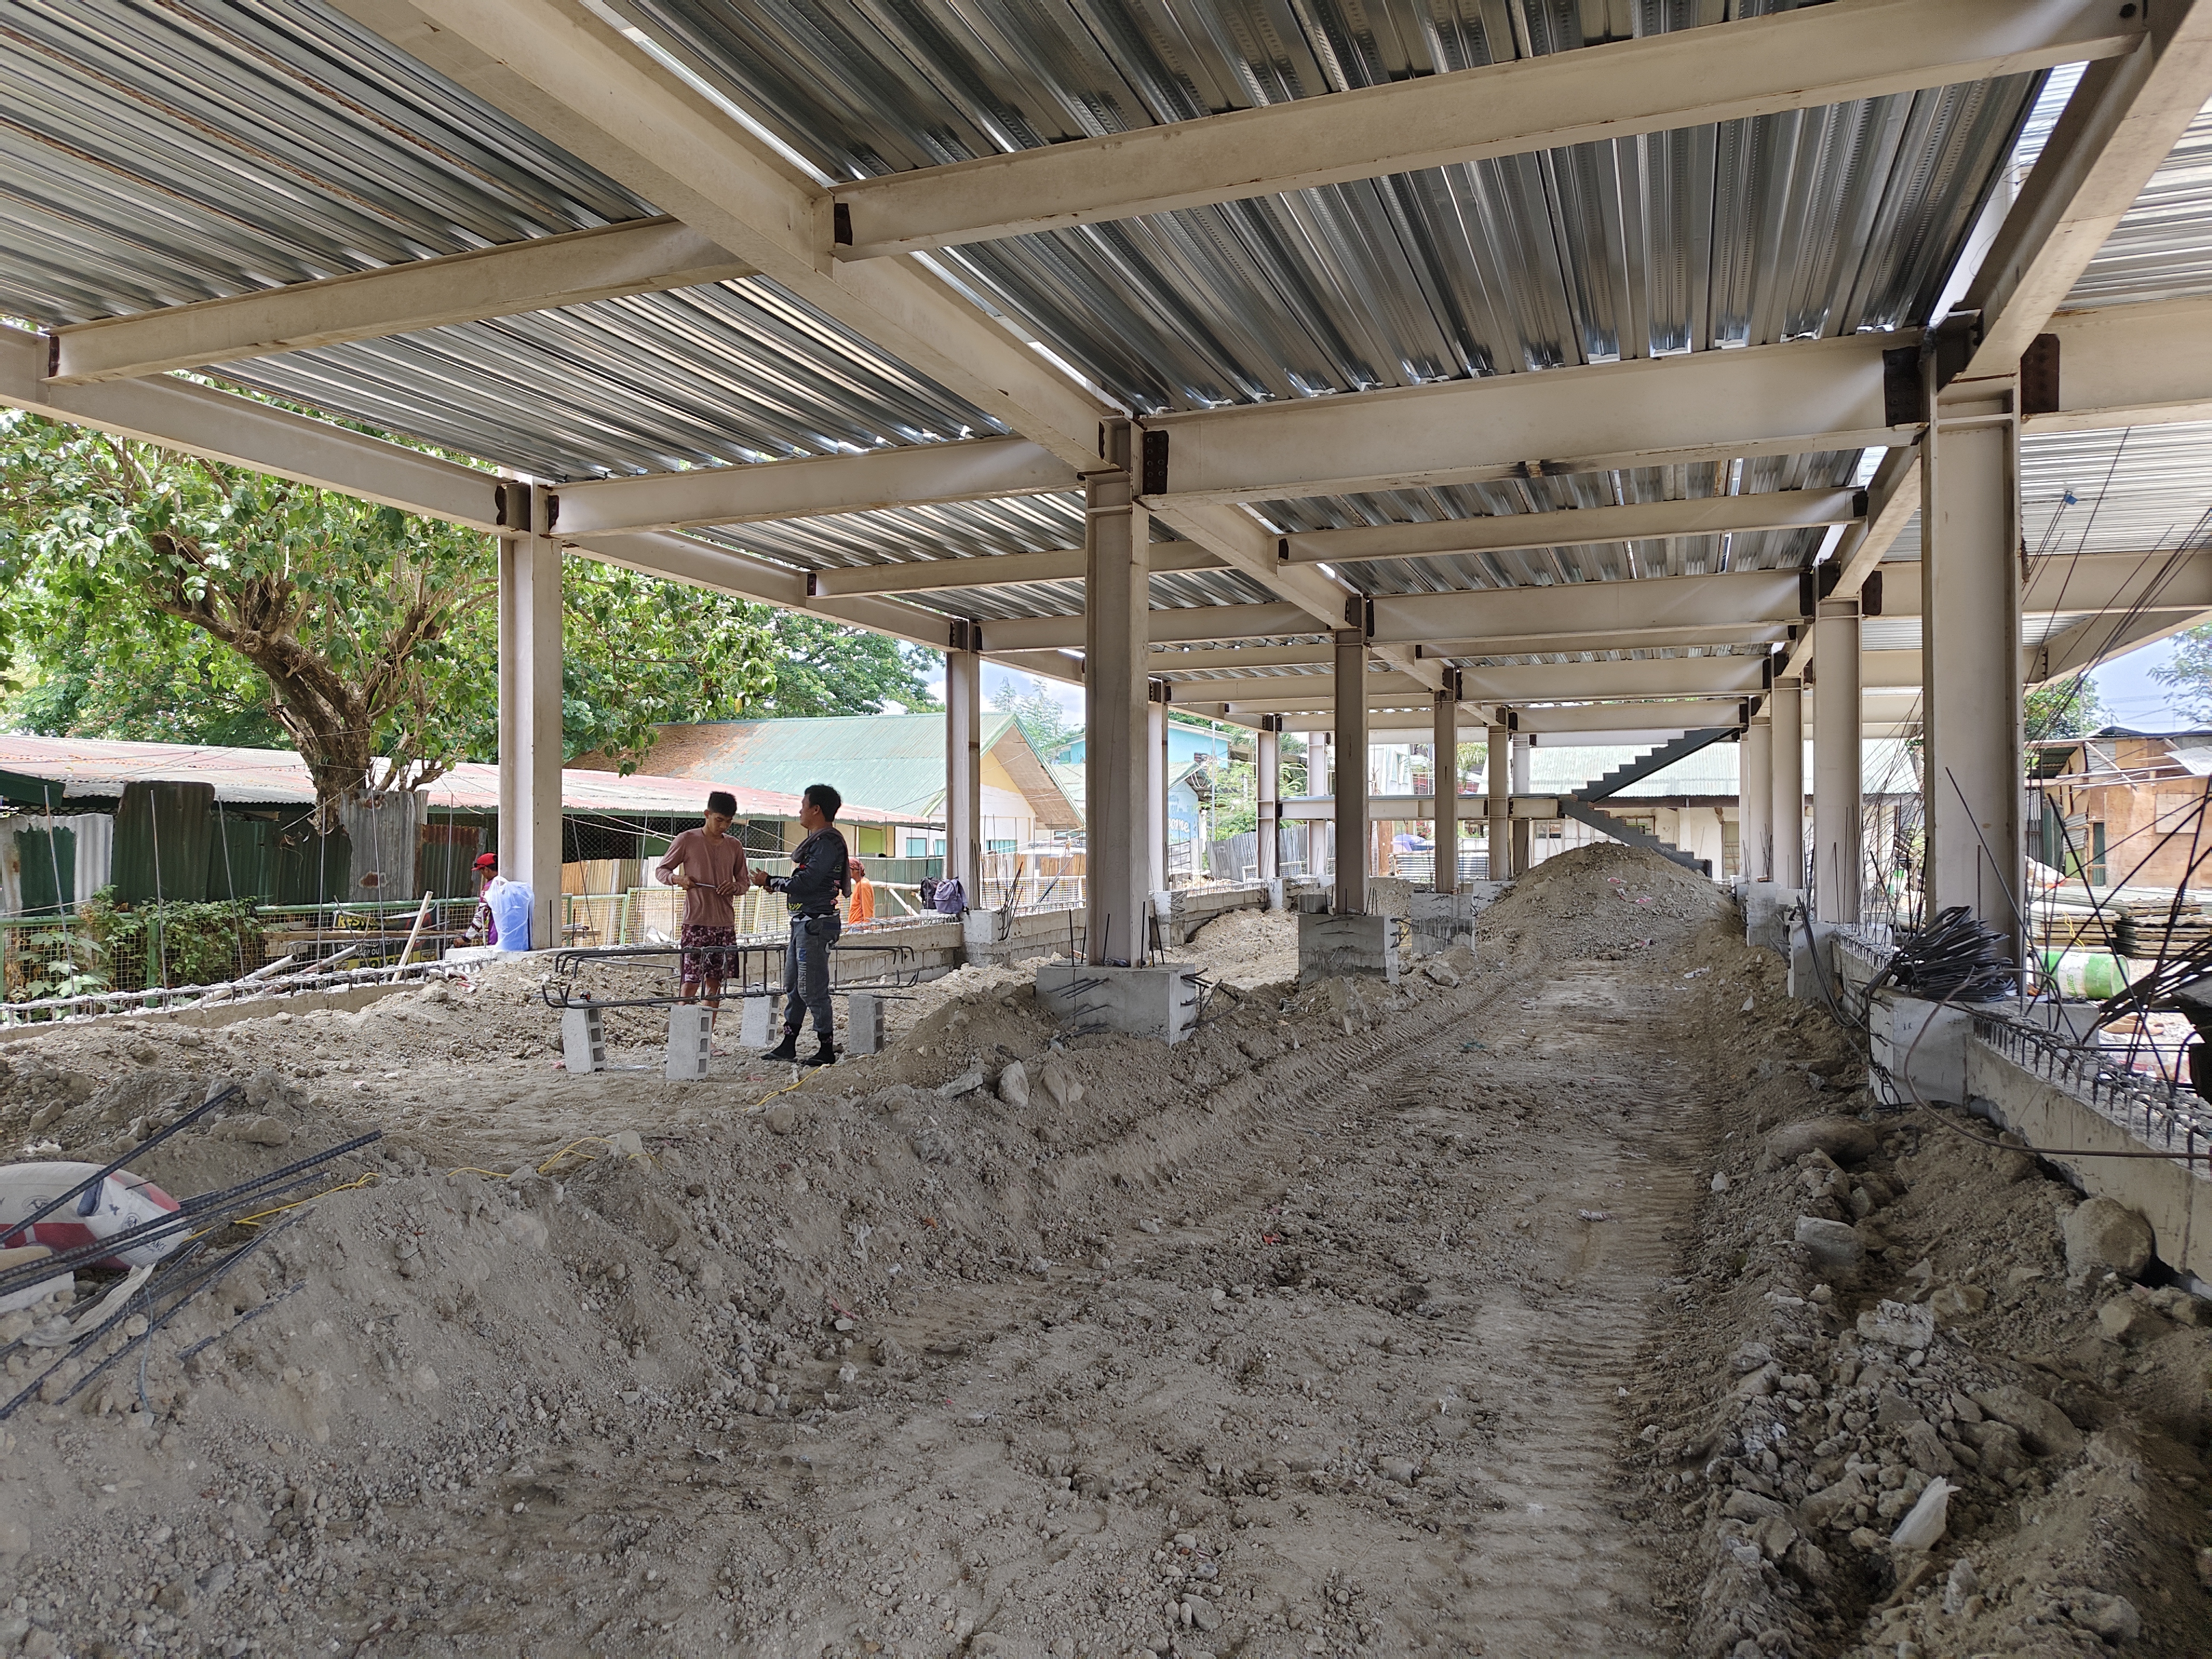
(161, 597)
(174, 943)
(2066, 709)
(2190, 673)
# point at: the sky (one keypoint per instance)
(996, 679)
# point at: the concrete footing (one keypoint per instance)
(1439, 921)
(1770, 915)
(1331, 945)
(1153, 1002)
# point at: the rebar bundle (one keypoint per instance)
(1957, 957)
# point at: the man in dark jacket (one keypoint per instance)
(820, 876)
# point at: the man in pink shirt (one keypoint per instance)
(713, 862)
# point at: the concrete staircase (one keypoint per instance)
(1581, 806)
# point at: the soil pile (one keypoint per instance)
(1601, 903)
(1245, 948)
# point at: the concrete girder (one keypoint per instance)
(1713, 515)
(563, 72)
(980, 469)
(1188, 622)
(604, 263)
(220, 426)
(1800, 60)
(2124, 118)
(995, 570)
(1708, 405)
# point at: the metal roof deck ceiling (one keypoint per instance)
(1817, 222)
(155, 154)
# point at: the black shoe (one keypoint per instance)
(825, 1055)
(786, 1049)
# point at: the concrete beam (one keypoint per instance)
(1714, 515)
(2131, 365)
(1188, 622)
(1732, 600)
(983, 469)
(564, 71)
(1629, 639)
(1799, 60)
(996, 570)
(1664, 677)
(1166, 662)
(2124, 118)
(1707, 406)
(220, 426)
(540, 275)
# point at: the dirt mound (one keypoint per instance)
(1602, 902)
(1245, 948)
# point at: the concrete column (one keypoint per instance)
(1269, 774)
(1786, 703)
(1119, 884)
(1351, 772)
(1500, 772)
(1839, 830)
(1522, 742)
(529, 709)
(1156, 785)
(964, 763)
(1970, 653)
(1754, 829)
(1444, 741)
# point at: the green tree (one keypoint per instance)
(2188, 672)
(2065, 708)
(343, 608)
(1036, 711)
(823, 668)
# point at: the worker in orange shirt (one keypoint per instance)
(862, 905)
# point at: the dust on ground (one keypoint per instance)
(1370, 1320)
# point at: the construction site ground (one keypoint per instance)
(1465, 1317)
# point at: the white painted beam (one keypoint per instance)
(1188, 623)
(538, 275)
(1707, 406)
(564, 72)
(2099, 639)
(1718, 515)
(2124, 118)
(1165, 662)
(1734, 600)
(220, 426)
(997, 570)
(1660, 676)
(2131, 365)
(1799, 60)
(983, 469)
(1632, 638)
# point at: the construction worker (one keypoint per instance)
(821, 874)
(483, 927)
(862, 905)
(713, 861)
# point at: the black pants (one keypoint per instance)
(806, 973)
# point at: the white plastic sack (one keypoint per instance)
(1924, 1523)
(511, 903)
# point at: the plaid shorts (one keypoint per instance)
(702, 960)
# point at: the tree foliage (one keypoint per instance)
(2064, 708)
(158, 597)
(2190, 673)
(1036, 711)
(343, 608)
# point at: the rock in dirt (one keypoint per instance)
(2113, 1617)
(1014, 1085)
(1845, 1139)
(782, 1118)
(1902, 1325)
(256, 1131)
(1836, 1249)
(2103, 1235)
(2045, 1430)
(1061, 1085)
(2126, 1318)
(966, 1084)
(1440, 973)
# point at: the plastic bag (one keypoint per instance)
(1924, 1523)
(511, 904)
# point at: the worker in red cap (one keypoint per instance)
(483, 928)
